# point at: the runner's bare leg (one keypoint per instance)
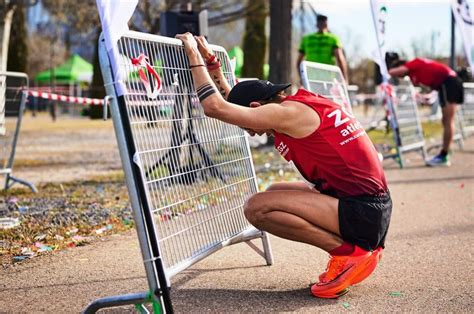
(299, 215)
(448, 125)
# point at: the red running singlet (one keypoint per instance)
(338, 158)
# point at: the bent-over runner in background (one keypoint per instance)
(443, 79)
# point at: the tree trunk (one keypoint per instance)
(97, 86)
(255, 41)
(17, 49)
(280, 41)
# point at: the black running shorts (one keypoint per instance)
(364, 220)
(451, 91)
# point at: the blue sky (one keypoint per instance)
(407, 21)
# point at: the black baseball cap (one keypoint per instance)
(391, 59)
(243, 93)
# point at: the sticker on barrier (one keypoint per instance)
(188, 175)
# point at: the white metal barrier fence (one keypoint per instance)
(325, 80)
(466, 111)
(410, 132)
(188, 175)
(13, 94)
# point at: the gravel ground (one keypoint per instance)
(427, 266)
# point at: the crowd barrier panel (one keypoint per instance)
(187, 178)
(327, 81)
(466, 111)
(13, 95)
(410, 131)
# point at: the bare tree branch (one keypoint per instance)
(234, 15)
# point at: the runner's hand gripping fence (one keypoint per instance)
(13, 94)
(188, 175)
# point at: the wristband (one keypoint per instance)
(196, 65)
(214, 66)
(211, 60)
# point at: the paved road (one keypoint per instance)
(427, 266)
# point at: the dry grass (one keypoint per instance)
(43, 123)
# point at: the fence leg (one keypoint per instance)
(17, 180)
(127, 299)
(400, 160)
(267, 249)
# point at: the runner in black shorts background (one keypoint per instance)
(440, 77)
(451, 91)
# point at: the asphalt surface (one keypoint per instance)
(426, 267)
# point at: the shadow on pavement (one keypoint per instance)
(255, 301)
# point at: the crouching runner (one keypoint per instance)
(343, 206)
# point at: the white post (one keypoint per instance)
(5, 26)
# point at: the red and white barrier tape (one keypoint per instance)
(71, 99)
(100, 102)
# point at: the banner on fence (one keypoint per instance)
(463, 18)
(379, 13)
(114, 16)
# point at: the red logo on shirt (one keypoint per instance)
(283, 149)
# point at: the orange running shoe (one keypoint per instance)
(340, 273)
(375, 258)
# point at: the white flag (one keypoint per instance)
(463, 18)
(379, 13)
(114, 16)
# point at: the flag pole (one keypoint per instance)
(452, 59)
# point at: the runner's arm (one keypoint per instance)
(270, 116)
(299, 60)
(341, 61)
(215, 72)
(399, 71)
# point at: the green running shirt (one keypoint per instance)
(319, 47)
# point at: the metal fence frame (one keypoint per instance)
(158, 277)
(402, 121)
(466, 111)
(408, 122)
(10, 180)
(342, 88)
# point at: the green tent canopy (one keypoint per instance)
(75, 70)
(237, 53)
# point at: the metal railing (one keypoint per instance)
(466, 111)
(13, 95)
(327, 81)
(410, 131)
(188, 175)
